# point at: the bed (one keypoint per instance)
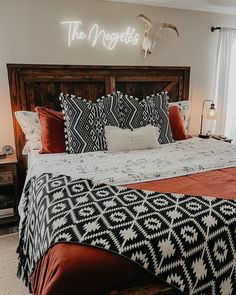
(74, 266)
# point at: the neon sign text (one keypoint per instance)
(110, 40)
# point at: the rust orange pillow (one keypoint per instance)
(52, 125)
(176, 123)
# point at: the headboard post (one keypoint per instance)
(34, 85)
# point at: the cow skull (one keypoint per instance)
(152, 33)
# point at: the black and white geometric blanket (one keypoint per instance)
(187, 241)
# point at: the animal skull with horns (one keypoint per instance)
(152, 33)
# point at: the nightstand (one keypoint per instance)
(222, 138)
(9, 192)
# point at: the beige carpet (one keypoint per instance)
(9, 283)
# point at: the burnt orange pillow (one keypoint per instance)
(176, 124)
(52, 125)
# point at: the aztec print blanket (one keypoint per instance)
(187, 241)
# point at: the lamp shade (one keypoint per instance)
(211, 116)
(211, 112)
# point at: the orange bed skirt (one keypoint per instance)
(84, 270)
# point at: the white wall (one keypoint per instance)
(30, 32)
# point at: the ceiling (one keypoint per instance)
(217, 6)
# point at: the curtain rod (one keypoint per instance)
(213, 29)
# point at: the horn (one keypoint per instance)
(170, 26)
(145, 18)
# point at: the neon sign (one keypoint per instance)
(94, 35)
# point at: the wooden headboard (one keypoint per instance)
(40, 85)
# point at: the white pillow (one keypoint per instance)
(185, 107)
(30, 125)
(127, 140)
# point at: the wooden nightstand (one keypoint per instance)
(9, 192)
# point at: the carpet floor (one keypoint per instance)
(9, 283)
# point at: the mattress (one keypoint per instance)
(75, 266)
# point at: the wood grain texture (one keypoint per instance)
(40, 85)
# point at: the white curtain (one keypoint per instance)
(223, 81)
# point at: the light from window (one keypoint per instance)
(230, 128)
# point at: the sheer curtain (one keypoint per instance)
(225, 81)
(230, 125)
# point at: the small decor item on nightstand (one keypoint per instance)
(222, 138)
(8, 150)
(211, 115)
(2, 155)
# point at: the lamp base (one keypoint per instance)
(204, 136)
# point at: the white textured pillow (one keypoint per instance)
(185, 107)
(127, 140)
(30, 125)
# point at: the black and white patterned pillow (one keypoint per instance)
(134, 112)
(153, 110)
(158, 105)
(85, 121)
(111, 105)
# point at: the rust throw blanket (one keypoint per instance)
(218, 183)
(178, 238)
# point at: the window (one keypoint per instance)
(230, 124)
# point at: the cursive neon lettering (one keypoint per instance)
(96, 36)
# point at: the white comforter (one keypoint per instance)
(170, 160)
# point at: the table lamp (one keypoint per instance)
(211, 115)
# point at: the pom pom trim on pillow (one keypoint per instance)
(85, 121)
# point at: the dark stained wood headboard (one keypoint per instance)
(40, 85)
